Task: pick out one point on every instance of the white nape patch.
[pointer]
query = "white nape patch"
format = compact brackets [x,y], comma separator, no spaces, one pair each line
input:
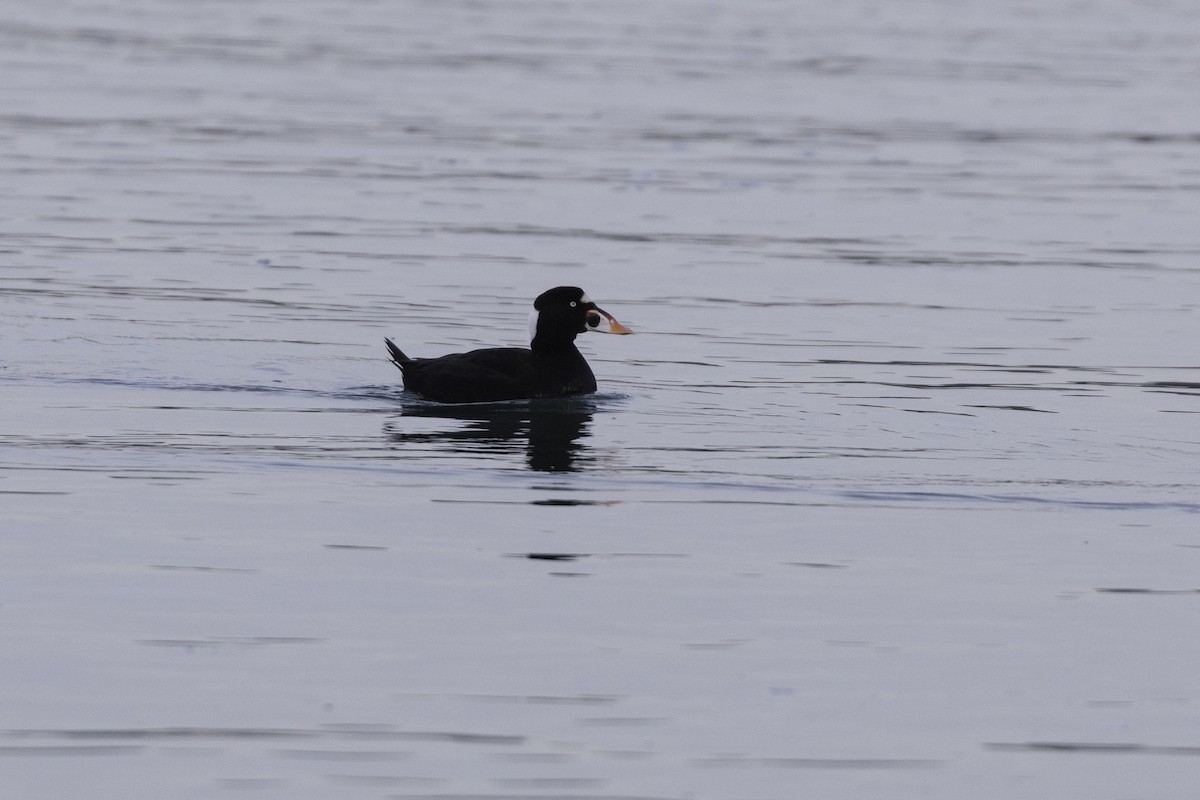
[533,321]
[583,298]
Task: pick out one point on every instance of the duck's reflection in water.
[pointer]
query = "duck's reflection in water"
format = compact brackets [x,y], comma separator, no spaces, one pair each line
[552,432]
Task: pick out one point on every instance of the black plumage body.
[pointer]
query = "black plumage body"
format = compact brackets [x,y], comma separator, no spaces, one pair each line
[497,373]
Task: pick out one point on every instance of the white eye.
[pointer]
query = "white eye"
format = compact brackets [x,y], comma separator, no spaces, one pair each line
[573,304]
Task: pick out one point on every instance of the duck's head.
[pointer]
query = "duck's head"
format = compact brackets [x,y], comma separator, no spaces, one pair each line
[566,311]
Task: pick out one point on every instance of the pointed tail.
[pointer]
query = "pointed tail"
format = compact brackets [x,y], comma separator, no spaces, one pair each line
[398,357]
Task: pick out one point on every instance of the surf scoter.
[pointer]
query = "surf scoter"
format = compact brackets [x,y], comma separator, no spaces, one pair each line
[551,367]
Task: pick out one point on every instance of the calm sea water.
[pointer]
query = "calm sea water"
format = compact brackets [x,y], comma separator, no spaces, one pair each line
[894,493]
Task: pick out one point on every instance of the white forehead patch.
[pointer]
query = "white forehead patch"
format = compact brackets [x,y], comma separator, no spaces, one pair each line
[583,298]
[533,320]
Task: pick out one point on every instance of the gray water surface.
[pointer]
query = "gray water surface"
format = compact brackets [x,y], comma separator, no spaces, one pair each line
[893,494]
